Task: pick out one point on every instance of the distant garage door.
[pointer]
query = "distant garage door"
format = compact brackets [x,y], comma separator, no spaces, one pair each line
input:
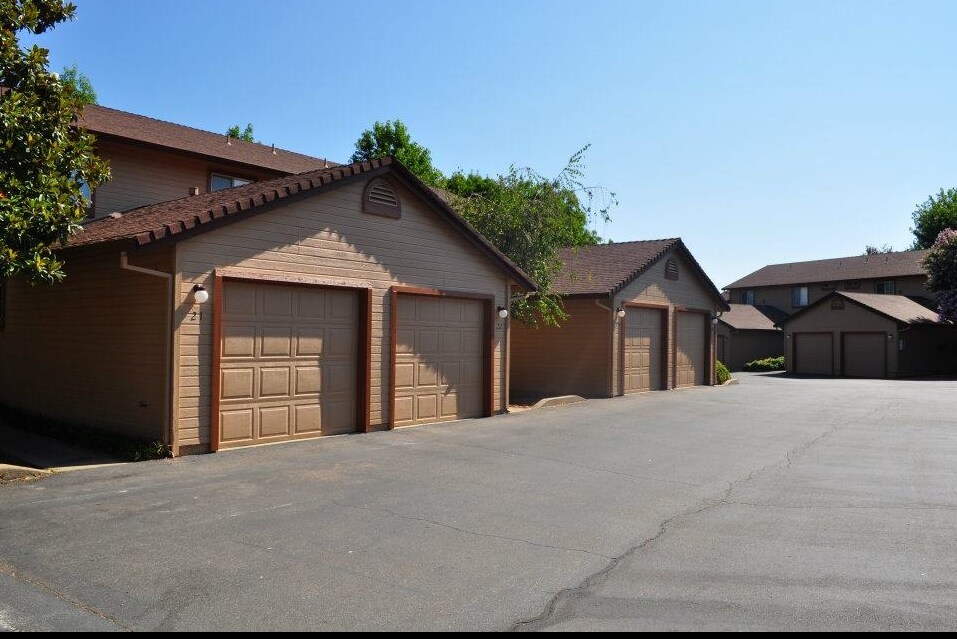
[865,354]
[440,356]
[642,350]
[813,353]
[288,363]
[690,350]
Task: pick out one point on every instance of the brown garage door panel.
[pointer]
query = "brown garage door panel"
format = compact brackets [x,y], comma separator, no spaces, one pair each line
[288,363]
[690,349]
[642,350]
[864,354]
[813,353]
[439,359]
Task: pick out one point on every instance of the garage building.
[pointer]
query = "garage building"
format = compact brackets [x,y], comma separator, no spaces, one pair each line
[869,335]
[747,333]
[640,318]
[340,300]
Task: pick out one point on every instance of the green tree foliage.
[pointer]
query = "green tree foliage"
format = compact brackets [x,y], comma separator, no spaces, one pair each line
[246,135]
[933,216]
[529,217]
[941,267]
[46,162]
[875,250]
[392,138]
[79,83]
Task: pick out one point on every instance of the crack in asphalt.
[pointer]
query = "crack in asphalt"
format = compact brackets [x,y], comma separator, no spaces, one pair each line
[386,511]
[40,584]
[544,619]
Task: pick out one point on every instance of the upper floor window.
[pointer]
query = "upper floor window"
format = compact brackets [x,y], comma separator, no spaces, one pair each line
[747,297]
[221,182]
[884,288]
[671,269]
[852,284]
[828,286]
[381,198]
[799,296]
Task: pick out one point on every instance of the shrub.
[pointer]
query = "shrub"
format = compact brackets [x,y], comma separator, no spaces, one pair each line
[767,364]
[722,372]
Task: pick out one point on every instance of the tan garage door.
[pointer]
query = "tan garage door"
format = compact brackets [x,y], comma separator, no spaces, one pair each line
[642,350]
[440,357]
[813,353]
[690,350]
[865,354]
[288,365]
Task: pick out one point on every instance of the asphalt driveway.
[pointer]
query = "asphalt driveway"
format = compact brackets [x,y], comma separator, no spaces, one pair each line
[778,504]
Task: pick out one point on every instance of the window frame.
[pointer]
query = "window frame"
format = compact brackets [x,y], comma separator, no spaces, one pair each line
[747,297]
[852,285]
[796,298]
[246,179]
[893,287]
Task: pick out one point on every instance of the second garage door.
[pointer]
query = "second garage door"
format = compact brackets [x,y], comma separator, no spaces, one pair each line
[864,354]
[642,350]
[690,350]
[440,356]
[813,353]
[288,363]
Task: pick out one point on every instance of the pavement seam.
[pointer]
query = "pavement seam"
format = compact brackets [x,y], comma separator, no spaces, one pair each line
[426,520]
[543,619]
[37,582]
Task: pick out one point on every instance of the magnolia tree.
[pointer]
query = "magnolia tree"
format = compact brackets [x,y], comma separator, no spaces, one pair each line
[941,266]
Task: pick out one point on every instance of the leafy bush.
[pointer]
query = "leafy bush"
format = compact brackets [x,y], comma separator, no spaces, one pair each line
[722,372]
[767,364]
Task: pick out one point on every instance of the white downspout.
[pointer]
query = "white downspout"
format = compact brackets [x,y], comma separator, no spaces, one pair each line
[168,400]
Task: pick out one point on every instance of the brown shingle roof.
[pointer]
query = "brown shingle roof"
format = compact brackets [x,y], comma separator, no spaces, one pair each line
[129,126]
[895,307]
[745,317]
[857,267]
[607,268]
[186,217]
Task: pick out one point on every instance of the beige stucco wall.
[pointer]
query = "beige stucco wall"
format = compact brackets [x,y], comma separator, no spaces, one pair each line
[92,349]
[142,176]
[780,296]
[570,360]
[327,237]
[688,292]
[853,319]
[747,346]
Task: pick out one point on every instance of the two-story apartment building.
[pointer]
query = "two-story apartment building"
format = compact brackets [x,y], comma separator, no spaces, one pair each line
[225,293]
[861,316]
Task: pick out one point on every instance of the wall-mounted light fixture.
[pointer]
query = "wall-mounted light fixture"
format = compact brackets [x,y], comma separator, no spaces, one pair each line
[789,336]
[714,320]
[502,312]
[620,312]
[200,294]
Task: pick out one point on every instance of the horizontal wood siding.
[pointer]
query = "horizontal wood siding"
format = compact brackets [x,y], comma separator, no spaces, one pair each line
[746,346]
[852,319]
[141,176]
[652,287]
[780,296]
[327,238]
[571,360]
[92,349]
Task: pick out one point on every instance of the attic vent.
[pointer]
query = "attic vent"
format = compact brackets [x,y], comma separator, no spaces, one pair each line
[671,269]
[380,198]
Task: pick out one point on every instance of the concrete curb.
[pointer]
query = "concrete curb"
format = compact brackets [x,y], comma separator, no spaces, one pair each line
[564,400]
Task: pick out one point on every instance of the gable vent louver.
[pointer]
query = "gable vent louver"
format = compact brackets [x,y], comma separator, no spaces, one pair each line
[382,199]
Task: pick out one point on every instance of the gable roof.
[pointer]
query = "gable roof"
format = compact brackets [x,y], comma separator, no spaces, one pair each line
[748,317]
[605,269]
[103,121]
[857,267]
[894,307]
[184,218]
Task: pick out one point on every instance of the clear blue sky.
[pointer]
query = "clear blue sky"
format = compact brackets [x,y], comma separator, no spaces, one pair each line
[760,132]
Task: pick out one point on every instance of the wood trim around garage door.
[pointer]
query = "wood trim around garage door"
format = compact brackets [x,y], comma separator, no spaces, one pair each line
[708,339]
[363,352]
[884,341]
[488,353]
[663,308]
[793,348]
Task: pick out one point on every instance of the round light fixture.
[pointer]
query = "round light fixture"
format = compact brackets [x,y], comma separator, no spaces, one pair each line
[502,312]
[620,312]
[200,294]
